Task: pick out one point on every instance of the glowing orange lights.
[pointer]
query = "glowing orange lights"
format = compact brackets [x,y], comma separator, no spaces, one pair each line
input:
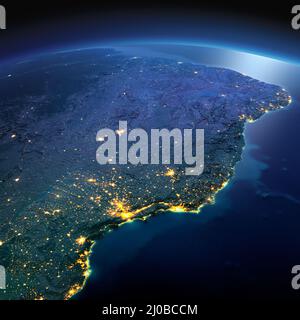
[81,240]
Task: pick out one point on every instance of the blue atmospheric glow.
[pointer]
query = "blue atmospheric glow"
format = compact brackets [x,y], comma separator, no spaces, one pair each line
[191,43]
[142,42]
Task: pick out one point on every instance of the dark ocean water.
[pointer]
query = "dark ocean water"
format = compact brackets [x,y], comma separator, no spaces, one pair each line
[244,245]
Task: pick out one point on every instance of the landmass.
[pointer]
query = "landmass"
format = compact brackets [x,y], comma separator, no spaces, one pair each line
[56,200]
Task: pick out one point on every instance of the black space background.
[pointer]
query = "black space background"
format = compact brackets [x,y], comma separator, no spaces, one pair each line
[50,20]
[22,13]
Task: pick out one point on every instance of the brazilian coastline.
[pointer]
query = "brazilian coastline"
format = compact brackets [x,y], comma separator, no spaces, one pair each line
[159,208]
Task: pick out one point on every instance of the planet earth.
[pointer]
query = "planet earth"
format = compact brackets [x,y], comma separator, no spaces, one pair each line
[57,201]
